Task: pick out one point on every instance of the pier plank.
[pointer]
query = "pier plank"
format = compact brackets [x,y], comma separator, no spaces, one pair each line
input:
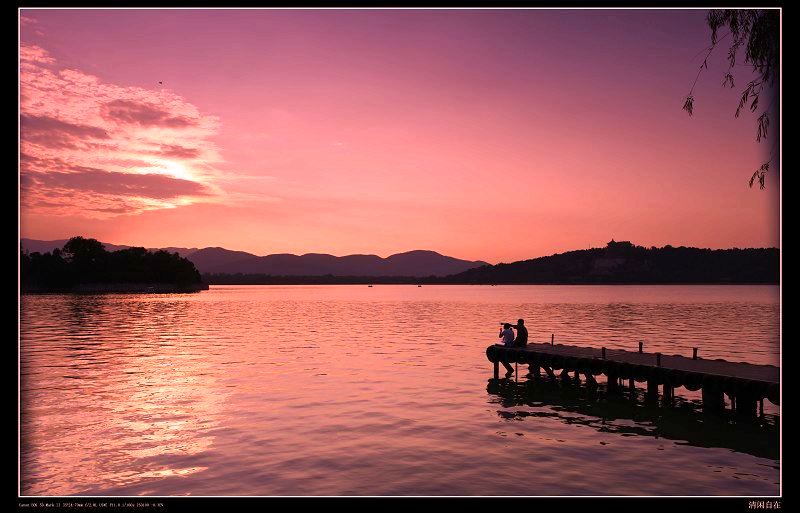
[765,373]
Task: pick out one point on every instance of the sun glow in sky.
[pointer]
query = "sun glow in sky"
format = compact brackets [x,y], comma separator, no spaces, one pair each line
[483,134]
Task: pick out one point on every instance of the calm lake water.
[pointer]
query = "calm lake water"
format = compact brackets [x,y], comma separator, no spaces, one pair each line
[351,390]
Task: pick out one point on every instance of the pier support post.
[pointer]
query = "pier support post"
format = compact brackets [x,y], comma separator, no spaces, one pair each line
[613,382]
[533,370]
[497,370]
[577,377]
[590,381]
[550,373]
[669,393]
[713,400]
[746,406]
[652,390]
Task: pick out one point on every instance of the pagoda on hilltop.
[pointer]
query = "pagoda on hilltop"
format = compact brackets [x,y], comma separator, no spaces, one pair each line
[623,244]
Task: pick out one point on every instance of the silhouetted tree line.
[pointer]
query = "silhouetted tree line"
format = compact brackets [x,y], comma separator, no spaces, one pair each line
[85,261]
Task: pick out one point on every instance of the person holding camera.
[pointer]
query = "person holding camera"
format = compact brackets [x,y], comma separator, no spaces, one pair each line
[507,334]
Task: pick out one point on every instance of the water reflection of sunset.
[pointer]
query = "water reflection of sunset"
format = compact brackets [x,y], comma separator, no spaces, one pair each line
[318,389]
[155,402]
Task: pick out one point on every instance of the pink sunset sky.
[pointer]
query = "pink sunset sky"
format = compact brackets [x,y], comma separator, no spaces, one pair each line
[497,135]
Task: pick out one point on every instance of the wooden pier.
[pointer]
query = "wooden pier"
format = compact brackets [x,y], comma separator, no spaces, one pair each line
[746,385]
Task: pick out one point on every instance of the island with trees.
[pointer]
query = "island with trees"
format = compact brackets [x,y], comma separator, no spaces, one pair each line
[84,266]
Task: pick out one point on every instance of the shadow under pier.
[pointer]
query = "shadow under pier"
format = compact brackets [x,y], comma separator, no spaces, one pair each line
[681,421]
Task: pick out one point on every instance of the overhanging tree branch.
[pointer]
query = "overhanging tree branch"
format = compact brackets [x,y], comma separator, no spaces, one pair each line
[757,31]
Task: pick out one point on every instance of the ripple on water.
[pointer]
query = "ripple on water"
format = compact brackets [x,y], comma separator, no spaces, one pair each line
[337,390]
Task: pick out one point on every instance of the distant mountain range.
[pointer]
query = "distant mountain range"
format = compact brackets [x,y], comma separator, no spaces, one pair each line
[218,260]
[618,262]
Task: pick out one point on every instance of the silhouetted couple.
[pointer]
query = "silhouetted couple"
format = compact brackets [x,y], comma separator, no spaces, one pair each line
[509,340]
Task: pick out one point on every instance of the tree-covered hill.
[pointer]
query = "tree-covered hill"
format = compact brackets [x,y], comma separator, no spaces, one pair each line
[623,262]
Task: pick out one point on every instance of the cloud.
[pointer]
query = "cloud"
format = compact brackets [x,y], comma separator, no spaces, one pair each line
[175,150]
[97,150]
[31,55]
[54,133]
[114,183]
[125,111]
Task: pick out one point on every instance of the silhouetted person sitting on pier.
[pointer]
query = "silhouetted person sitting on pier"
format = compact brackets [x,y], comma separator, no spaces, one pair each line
[522,334]
[507,334]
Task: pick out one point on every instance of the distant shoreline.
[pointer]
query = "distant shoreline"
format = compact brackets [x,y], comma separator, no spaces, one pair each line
[376,283]
[120,288]
[200,288]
